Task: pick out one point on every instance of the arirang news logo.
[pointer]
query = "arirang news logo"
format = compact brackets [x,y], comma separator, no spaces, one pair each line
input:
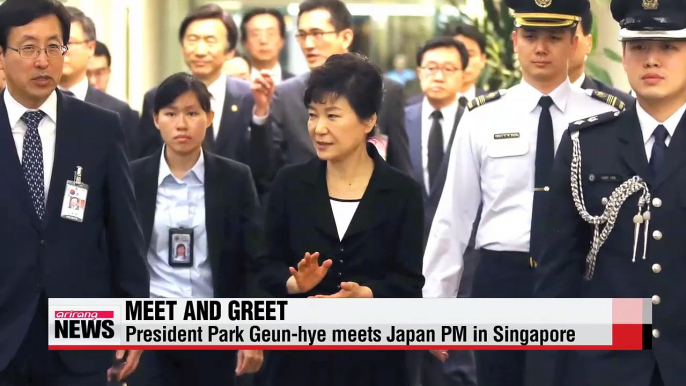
[84,324]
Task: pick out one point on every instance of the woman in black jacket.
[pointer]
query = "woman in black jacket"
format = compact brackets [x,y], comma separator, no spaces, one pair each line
[344,225]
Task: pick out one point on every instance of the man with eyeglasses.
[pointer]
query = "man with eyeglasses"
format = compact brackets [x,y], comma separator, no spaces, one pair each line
[325,29]
[74,81]
[51,144]
[501,158]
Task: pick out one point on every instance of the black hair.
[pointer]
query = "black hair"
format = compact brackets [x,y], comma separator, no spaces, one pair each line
[470,32]
[341,18]
[16,13]
[211,11]
[587,22]
[444,42]
[101,50]
[77,16]
[262,11]
[351,76]
[178,84]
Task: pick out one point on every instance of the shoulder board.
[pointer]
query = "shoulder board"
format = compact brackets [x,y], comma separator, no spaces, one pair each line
[607,98]
[594,120]
[483,99]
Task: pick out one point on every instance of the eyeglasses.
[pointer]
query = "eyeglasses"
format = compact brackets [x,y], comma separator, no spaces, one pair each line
[316,35]
[32,52]
[447,70]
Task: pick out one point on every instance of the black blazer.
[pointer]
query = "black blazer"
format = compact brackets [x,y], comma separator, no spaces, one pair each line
[62,258]
[234,230]
[129,118]
[285,74]
[382,248]
[239,138]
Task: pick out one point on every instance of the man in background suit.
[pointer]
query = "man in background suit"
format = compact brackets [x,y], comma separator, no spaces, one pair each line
[577,64]
[325,29]
[45,137]
[208,37]
[100,67]
[74,81]
[431,125]
[475,42]
[263,31]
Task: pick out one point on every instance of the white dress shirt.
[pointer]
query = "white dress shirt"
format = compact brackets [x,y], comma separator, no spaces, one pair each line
[47,130]
[180,202]
[579,81]
[498,171]
[80,89]
[447,123]
[275,73]
[648,125]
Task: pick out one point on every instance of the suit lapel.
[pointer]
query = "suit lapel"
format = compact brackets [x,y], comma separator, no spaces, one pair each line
[146,193]
[230,126]
[633,151]
[437,186]
[10,166]
[675,155]
[322,212]
[214,195]
[414,128]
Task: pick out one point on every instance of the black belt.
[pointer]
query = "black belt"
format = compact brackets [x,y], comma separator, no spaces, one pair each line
[519,258]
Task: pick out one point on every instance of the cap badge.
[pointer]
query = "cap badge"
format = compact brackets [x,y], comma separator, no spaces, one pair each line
[546,3]
[650,5]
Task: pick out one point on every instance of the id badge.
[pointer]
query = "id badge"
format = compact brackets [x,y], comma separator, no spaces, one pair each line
[180,247]
[75,196]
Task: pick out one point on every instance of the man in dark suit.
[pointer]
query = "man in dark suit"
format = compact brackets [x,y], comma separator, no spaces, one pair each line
[577,64]
[325,29]
[74,81]
[475,42]
[46,140]
[208,37]
[263,31]
[431,125]
[642,152]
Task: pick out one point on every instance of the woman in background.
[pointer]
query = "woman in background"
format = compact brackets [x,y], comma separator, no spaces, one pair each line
[356,220]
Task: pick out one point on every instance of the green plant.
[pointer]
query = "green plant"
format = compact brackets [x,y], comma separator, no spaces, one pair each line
[592,68]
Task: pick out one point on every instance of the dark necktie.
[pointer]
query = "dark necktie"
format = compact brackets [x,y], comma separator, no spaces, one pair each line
[68,93]
[545,154]
[657,155]
[435,146]
[32,160]
[463,101]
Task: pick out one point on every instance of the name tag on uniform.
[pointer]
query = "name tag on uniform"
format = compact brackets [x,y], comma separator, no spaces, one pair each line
[605,178]
[505,135]
[75,197]
[180,247]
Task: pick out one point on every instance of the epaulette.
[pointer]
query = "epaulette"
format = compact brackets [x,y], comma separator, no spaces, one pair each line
[594,120]
[607,98]
[483,99]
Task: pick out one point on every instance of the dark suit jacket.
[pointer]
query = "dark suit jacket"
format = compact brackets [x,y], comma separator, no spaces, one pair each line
[234,230]
[129,117]
[62,258]
[239,138]
[593,84]
[293,144]
[285,74]
[613,147]
[414,99]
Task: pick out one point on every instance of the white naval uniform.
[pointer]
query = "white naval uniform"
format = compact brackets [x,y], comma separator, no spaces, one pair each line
[497,172]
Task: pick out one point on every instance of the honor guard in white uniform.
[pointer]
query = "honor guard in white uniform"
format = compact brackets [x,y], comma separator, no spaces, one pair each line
[501,158]
[617,224]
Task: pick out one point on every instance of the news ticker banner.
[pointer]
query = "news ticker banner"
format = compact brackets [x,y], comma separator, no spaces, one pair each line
[350,324]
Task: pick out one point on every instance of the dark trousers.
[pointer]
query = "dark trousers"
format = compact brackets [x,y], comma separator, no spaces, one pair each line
[502,275]
[35,365]
[185,368]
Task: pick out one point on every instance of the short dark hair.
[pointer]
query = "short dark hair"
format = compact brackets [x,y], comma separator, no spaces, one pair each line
[444,42]
[262,11]
[349,75]
[16,13]
[211,11]
[101,50]
[470,32]
[77,16]
[178,84]
[587,22]
[340,15]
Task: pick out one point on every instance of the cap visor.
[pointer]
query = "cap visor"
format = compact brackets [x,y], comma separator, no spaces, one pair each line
[627,35]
